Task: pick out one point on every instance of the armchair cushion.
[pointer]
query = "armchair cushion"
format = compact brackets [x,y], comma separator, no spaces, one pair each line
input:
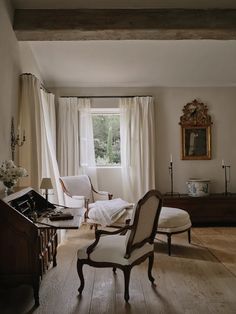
[121,219]
[173,220]
[111,249]
[109,211]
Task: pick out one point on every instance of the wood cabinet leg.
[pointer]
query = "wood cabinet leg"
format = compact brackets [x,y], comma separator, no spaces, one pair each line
[36,292]
[189,235]
[169,243]
[150,264]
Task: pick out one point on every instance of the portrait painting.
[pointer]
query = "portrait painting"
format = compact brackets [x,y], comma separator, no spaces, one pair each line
[196,143]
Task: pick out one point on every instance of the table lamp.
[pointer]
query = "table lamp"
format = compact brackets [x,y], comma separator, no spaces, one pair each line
[46,184]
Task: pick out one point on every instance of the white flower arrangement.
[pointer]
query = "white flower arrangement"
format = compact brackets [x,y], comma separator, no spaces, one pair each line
[10,173]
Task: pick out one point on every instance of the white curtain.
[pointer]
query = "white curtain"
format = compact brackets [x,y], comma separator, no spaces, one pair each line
[68,136]
[137,129]
[37,118]
[30,153]
[87,152]
[75,141]
[48,139]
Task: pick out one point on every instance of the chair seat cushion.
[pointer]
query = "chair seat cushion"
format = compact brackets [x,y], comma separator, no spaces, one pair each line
[120,222]
[173,220]
[126,215]
[111,249]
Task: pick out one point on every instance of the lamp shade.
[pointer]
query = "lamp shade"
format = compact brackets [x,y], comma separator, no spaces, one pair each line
[46,184]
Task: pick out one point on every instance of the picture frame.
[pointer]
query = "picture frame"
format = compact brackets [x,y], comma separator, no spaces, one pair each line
[196,143]
[195,132]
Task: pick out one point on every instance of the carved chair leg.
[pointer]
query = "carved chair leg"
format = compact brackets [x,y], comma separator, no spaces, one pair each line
[81,276]
[150,264]
[127,223]
[189,235]
[126,271]
[169,243]
[54,259]
[54,263]
[36,292]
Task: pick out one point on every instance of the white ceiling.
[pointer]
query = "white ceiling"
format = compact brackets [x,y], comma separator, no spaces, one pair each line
[135,63]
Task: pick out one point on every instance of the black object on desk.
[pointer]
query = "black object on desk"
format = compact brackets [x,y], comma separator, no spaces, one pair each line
[53,217]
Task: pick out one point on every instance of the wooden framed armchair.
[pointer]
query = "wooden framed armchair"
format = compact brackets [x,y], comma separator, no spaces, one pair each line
[79,192]
[79,188]
[125,251]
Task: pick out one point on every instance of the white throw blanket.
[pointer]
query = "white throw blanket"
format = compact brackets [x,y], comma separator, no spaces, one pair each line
[109,211]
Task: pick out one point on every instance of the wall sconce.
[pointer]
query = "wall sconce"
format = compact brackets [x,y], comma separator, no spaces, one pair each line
[46,184]
[16,139]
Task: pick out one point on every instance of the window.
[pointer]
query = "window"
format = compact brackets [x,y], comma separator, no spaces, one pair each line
[106,133]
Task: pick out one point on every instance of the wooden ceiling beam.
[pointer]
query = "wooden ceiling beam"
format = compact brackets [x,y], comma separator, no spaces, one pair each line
[124,24]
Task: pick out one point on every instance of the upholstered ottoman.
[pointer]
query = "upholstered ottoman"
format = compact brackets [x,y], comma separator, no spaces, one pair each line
[173,221]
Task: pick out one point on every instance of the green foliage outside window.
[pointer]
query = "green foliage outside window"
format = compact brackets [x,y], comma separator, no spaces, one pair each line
[106,132]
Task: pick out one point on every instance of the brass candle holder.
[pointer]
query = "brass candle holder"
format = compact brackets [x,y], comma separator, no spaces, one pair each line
[172,193]
[16,139]
[227,180]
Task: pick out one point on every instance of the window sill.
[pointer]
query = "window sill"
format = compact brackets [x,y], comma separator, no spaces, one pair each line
[108,167]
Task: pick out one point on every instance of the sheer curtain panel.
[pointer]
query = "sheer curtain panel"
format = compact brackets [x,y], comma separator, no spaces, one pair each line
[29,120]
[68,136]
[49,162]
[137,129]
[37,118]
[87,152]
[75,141]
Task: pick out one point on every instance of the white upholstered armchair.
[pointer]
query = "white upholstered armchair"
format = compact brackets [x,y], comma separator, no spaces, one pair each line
[78,188]
[125,251]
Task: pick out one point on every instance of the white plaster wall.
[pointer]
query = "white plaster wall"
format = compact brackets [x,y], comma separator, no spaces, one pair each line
[27,60]
[11,65]
[9,74]
[9,78]
[169,104]
[221,105]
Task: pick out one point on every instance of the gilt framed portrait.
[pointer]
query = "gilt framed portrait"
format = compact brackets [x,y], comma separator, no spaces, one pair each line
[196,142]
[195,132]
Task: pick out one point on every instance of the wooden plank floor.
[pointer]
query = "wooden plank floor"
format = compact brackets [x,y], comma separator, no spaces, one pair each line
[197,278]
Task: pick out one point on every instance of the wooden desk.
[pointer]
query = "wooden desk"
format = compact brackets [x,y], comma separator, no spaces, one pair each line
[28,247]
[212,210]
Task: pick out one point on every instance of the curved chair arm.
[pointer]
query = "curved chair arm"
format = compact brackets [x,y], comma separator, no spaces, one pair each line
[98,234]
[100,195]
[74,201]
[64,188]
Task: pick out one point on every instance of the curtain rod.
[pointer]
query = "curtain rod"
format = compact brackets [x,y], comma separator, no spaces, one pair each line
[41,84]
[44,88]
[107,96]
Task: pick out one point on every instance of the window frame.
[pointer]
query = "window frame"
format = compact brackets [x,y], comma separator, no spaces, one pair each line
[106,111]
